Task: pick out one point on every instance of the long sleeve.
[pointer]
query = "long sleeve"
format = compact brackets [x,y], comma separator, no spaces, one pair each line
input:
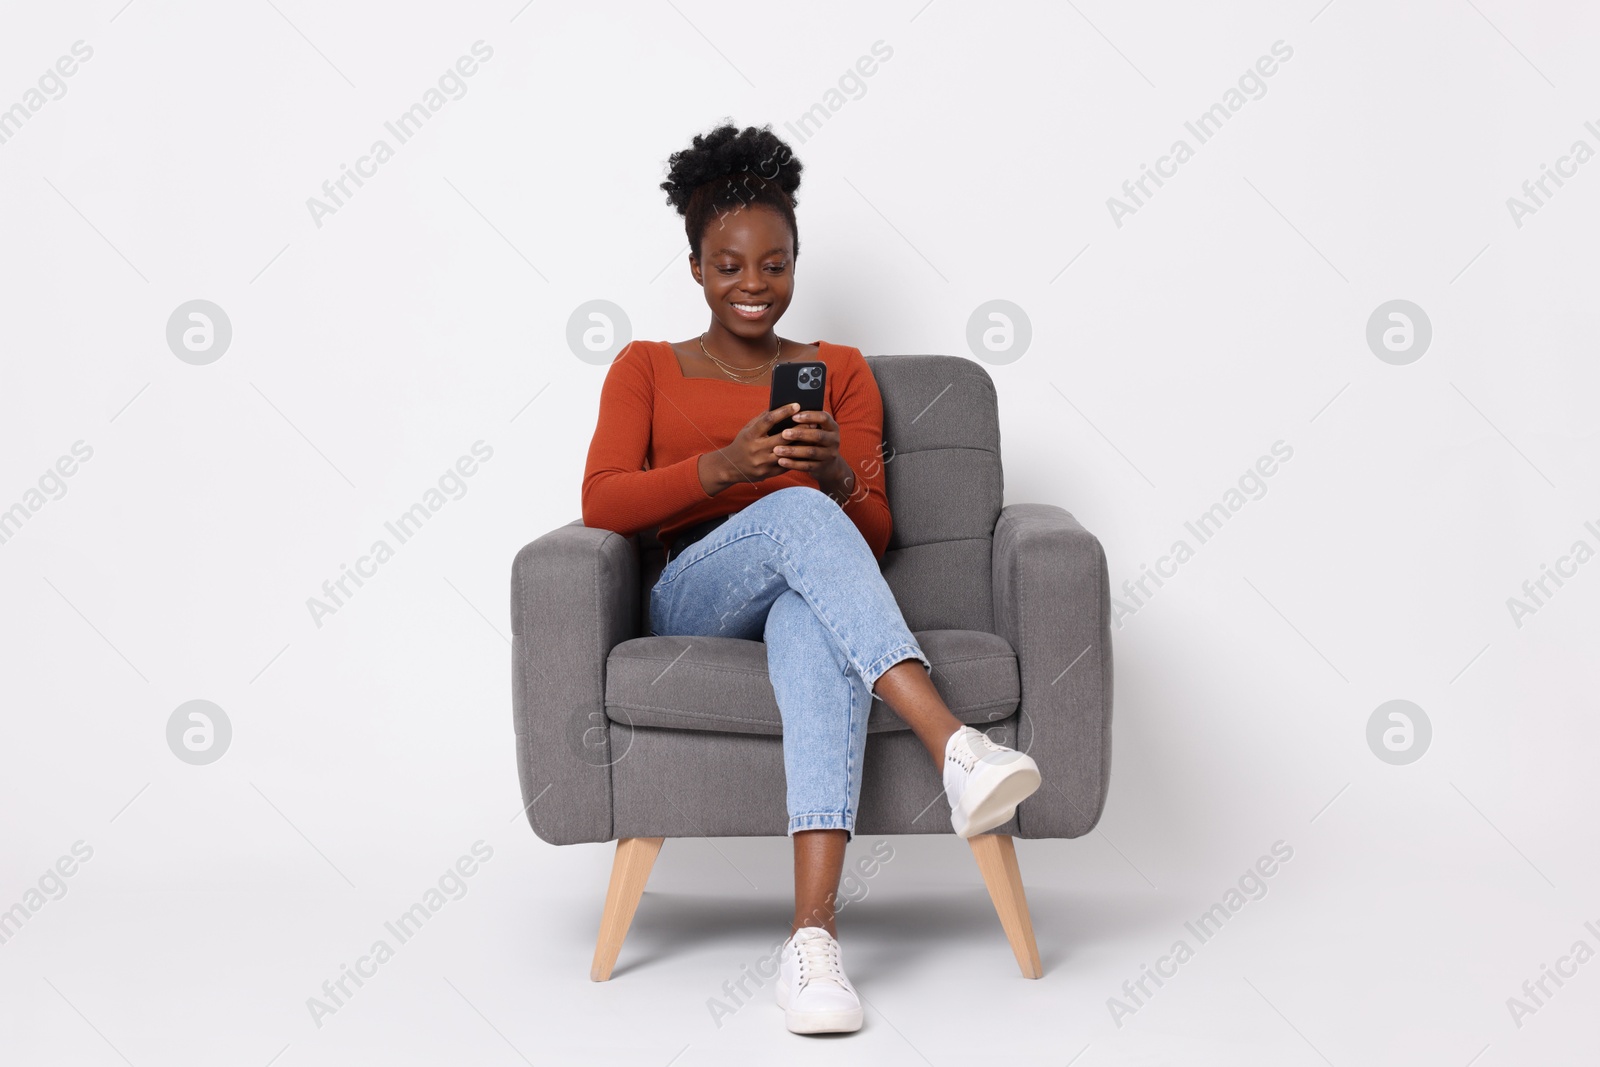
[619,494]
[859,413]
[650,414]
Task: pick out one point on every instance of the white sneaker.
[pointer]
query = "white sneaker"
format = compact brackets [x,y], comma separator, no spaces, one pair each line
[812,990]
[984,782]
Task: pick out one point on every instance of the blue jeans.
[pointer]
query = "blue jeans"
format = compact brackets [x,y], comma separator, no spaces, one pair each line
[791,569]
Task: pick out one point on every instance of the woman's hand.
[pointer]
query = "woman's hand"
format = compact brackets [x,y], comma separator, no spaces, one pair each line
[812,446]
[748,457]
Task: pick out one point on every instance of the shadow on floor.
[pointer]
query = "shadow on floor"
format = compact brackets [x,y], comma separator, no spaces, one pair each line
[889,934]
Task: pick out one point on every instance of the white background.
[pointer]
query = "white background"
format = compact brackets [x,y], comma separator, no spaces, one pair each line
[372,351]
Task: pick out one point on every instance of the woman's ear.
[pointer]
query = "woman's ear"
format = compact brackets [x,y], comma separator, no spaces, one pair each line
[694,268]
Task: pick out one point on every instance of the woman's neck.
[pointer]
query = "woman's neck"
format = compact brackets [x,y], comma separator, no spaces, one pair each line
[740,351]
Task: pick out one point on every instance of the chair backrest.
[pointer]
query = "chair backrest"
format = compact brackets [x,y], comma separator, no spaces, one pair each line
[942,473]
[941,433]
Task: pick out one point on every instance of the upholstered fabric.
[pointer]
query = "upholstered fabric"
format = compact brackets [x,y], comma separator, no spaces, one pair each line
[721,684]
[731,785]
[1053,605]
[941,431]
[1011,604]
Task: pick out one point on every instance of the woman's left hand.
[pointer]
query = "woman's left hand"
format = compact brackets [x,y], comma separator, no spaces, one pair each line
[811,445]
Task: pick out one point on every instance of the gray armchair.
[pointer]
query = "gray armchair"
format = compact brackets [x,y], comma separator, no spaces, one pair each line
[1011,605]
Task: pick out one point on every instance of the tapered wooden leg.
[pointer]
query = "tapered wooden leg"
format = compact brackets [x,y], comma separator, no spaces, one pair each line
[629,872]
[997,861]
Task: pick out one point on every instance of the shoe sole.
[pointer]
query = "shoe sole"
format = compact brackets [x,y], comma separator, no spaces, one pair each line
[997,804]
[817,1022]
[822,1022]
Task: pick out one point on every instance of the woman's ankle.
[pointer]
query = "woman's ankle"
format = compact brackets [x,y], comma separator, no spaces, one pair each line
[802,921]
[938,742]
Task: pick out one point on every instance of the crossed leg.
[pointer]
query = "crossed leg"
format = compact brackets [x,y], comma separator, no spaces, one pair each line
[793,565]
[824,747]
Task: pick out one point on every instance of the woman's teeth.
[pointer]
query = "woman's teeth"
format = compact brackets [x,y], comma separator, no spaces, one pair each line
[752,309]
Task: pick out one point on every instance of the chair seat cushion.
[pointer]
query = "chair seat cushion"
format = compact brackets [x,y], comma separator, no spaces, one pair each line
[720,683]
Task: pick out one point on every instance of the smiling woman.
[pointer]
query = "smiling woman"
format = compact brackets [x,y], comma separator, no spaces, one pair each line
[770,538]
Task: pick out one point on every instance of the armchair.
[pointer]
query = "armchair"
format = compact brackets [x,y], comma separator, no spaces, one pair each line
[1010,603]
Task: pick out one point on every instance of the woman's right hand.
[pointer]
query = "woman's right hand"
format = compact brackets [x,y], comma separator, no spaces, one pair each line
[749,456]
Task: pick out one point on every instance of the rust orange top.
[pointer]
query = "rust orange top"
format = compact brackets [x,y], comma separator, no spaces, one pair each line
[655,423]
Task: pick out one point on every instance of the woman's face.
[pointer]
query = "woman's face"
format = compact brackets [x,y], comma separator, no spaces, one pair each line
[748,260]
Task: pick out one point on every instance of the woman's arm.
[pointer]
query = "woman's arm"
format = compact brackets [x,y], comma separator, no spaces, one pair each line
[618,493]
[859,477]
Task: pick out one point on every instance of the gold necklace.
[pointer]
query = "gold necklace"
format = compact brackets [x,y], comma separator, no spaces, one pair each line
[732,373]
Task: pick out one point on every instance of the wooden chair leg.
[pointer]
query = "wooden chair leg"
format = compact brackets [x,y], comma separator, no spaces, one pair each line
[630,869]
[997,861]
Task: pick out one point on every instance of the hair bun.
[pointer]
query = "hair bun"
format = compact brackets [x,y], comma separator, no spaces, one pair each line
[729,150]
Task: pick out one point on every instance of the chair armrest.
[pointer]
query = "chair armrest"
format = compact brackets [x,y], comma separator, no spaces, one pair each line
[1052,598]
[574,597]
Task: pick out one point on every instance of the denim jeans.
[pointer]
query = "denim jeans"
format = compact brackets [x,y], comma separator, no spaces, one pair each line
[792,570]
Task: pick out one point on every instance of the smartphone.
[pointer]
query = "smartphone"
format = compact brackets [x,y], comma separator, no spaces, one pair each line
[796,382]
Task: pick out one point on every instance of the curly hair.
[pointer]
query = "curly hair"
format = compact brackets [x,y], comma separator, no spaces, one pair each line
[730,168]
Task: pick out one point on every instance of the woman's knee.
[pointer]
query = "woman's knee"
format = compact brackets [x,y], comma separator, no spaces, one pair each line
[796,637]
[791,620]
[800,498]
[805,508]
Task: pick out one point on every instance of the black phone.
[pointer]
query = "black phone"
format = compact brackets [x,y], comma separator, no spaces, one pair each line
[796,382]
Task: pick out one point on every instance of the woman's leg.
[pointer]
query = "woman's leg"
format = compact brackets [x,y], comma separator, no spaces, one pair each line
[909,692]
[796,538]
[802,536]
[824,705]
[818,863]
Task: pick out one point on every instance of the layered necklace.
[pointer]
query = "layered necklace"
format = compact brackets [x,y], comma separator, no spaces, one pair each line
[748,376]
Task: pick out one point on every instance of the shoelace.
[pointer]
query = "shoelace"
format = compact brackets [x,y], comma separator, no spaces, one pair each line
[971,748]
[819,961]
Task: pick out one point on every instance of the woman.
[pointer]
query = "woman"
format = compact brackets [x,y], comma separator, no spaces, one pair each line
[778,537]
